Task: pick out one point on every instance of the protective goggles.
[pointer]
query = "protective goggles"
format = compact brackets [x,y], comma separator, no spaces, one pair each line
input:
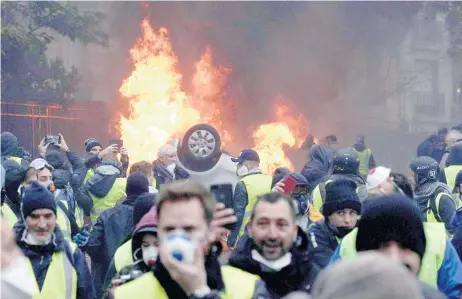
[300,190]
[39,164]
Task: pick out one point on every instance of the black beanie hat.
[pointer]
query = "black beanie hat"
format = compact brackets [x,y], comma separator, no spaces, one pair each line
[142,205]
[55,159]
[391,218]
[137,184]
[37,197]
[340,194]
[91,143]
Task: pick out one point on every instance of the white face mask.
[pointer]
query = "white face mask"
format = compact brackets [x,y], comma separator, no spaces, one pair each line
[150,254]
[242,171]
[171,168]
[276,265]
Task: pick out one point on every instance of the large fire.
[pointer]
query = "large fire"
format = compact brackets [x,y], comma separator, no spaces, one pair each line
[161,110]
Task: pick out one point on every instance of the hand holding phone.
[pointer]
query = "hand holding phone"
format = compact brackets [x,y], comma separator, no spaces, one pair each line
[289,184]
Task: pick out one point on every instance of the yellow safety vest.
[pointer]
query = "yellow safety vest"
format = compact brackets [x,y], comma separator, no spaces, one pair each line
[364,158]
[110,200]
[88,175]
[450,173]
[318,199]
[435,234]
[60,280]
[123,256]
[63,223]
[256,185]
[9,215]
[238,285]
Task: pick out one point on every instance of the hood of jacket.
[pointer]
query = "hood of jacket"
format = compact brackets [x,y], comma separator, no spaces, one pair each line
[359,146]
[101,183]
[455,155]
[147,224]
[316,170]
[9,144]
[298,275]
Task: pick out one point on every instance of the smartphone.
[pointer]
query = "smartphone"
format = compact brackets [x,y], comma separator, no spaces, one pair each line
[53,139]
[119,142]
[289,184]
[224,194]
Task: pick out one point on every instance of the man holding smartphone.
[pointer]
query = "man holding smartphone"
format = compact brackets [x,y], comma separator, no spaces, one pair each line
[253,183]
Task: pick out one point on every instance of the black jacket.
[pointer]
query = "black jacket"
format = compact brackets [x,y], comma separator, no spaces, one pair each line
[40,258]
[321,243]
[111,229]
[297,276]
[162,175]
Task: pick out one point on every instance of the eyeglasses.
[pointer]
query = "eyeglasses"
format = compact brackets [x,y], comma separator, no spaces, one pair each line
[39,164]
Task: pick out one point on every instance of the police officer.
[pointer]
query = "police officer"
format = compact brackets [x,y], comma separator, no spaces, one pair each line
[253,183]
[59,267]
[345,165]
[433,198]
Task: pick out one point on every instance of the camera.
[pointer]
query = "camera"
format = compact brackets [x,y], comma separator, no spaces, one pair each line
[52,139]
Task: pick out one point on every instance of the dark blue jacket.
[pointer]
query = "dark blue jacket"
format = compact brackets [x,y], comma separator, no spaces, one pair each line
[40,258]
[111,229]
[162,175]
[322,243]
[317,169]
[297,276]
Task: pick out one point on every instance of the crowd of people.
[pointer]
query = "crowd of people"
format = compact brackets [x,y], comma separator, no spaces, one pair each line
[102,227]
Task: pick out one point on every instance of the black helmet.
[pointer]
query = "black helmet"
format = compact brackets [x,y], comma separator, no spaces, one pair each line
[345,161]
[425,169]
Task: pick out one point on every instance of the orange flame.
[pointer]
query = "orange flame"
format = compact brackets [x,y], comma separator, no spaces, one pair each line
[160,109]
[272,139]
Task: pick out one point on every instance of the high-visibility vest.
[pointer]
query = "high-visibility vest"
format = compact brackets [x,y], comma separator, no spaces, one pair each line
[88,175]
[63,223]
[60,280]
[318,195]
[435,233]
[78,212]
[256,185]
[364,158]
[238,285]
[9,215]
[451,173]
[110,200]
[123,256]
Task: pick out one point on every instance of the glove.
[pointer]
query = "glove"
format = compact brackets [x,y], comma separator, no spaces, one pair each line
[81,239]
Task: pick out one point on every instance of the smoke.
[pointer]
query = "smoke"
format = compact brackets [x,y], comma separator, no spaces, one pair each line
[325,57]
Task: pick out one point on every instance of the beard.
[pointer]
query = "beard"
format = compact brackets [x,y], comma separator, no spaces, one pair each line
[33,239]
[270,249]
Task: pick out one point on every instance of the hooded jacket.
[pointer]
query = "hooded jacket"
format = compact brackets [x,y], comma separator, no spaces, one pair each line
[297,276]
[163,176]
[322,243]
[40,259]
[112,227]
[317,169]
[9,144]
[147,224]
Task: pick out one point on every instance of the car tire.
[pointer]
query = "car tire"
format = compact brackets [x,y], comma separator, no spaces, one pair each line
[200,147]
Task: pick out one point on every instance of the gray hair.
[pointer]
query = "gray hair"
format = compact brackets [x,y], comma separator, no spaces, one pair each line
[165,150]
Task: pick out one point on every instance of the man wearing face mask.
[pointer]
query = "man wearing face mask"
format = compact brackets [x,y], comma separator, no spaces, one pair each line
[341,210]
[186,267]
[276,248]
[58,266]
[165,168]
[392,225]
[145,251]
[253,183]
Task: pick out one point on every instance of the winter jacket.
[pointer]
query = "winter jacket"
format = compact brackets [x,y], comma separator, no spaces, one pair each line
[317,169]
[147,223]
[93,161]
[426,147]
[163,176]
[322,243]
[360,147]
[297,276]
[111,229]
[456,223]
[40,258]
